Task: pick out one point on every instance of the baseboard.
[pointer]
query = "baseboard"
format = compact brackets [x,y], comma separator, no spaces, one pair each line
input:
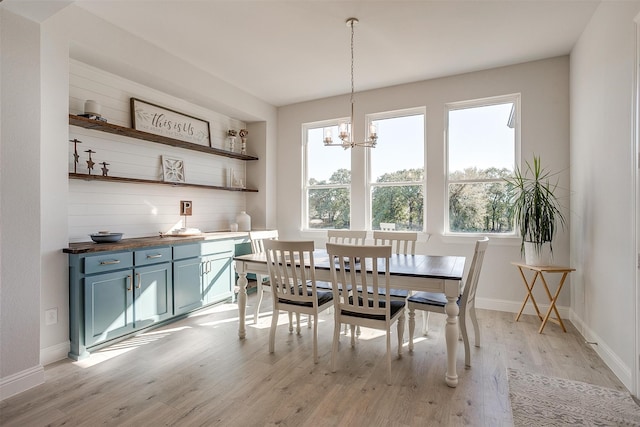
[619,368]
[22,381]
[54,353]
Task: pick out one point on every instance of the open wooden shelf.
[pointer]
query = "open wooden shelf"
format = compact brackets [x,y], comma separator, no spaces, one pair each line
[87,177]
[98,125]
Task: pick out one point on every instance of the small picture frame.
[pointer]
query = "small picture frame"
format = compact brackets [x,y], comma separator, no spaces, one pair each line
[172,169]
[235,178]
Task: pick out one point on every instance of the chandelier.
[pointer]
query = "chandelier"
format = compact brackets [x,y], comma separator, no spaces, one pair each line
[345,130]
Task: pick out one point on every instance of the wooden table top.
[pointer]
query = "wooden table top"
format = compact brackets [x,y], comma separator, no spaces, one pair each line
[140,242]
[544,268]
[431,266]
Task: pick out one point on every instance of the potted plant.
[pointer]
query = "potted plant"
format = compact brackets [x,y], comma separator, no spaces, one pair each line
[535,210]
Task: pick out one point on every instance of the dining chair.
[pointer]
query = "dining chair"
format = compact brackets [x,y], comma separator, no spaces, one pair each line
[293,284]
[257,239]
[347,237]
[353,304]
[403,242]
[435,303]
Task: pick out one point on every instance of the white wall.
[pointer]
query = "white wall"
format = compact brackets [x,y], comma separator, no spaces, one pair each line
[20,239]
[139,209]
[35,165]
[544,86]
[602,199]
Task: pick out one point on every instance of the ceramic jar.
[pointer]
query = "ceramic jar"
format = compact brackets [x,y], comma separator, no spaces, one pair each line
[244,221]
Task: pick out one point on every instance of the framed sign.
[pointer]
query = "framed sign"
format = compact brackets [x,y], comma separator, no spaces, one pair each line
[163,121]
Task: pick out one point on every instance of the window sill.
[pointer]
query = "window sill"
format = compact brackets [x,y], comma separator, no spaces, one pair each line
[496,239]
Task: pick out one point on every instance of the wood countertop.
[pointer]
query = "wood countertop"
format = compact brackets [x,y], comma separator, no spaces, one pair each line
[140,242]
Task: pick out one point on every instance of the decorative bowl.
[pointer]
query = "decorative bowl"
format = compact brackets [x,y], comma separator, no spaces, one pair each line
[103,237]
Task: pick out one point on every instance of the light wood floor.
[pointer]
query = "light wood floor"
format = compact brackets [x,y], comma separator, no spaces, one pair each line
[196,372]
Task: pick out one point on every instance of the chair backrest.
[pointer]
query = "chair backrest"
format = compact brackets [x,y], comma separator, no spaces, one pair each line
[291,271]
[368,272]
[257,239]
[387,226]
[347,237]
[471,285]
[402,242]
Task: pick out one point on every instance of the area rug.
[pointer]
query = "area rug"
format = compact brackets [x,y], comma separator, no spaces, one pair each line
[537,400]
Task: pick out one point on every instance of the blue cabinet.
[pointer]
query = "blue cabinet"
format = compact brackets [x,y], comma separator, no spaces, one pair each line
[114,294]
[130,298]
[202,273]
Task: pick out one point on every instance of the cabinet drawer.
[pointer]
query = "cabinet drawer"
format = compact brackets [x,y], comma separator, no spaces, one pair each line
[108,262]
[199,249]
[152,256]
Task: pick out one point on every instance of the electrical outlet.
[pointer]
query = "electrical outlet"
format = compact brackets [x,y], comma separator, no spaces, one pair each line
[51,316]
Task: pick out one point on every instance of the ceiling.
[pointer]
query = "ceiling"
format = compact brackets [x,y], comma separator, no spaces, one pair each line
[285,52]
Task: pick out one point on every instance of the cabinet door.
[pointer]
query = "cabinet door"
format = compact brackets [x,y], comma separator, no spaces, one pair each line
[153,294]
[187,285]
[218,277]
[108,306]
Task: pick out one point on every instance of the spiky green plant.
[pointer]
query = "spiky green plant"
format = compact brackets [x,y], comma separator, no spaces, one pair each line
[535,208]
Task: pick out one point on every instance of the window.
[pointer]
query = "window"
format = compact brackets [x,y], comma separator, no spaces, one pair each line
[482,142]
[327,183]
[396,165]
[390,195]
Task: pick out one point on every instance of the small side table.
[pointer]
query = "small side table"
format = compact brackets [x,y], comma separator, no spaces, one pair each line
[539,272]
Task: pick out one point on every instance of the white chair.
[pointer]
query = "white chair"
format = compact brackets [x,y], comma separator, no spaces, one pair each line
[347,237]
[257,239]
[354,305]
[435,302]
[293,283]
[403,242]
[387,226]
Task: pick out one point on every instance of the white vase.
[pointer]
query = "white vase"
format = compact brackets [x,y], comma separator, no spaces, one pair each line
[533,256]
[244,221]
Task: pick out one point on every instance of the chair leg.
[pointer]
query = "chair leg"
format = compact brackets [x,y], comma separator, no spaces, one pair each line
[353,335]
[425,323]
[298,323]
[476,327]
[412,326]
[290,322]
[272,331]
[260,290]
[388,357]
[336,341]
[315,337]
[462,320]
[401,320]
[309,320]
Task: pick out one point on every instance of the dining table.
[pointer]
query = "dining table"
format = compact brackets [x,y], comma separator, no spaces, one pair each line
[430,273]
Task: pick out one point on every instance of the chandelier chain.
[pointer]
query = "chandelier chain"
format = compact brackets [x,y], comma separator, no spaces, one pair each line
[352,85]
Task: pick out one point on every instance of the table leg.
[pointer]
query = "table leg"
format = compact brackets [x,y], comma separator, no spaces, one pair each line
[242,303]
[552,305]
[529,294]
[452,291]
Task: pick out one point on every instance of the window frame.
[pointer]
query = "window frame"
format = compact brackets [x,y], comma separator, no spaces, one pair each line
[370,185]
[304,226]
[514,98]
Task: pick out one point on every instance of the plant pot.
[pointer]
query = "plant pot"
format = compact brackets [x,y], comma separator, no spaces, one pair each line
[541,257]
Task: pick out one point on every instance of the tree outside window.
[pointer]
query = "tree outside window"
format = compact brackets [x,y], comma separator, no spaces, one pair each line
[482,138]
[397,180]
